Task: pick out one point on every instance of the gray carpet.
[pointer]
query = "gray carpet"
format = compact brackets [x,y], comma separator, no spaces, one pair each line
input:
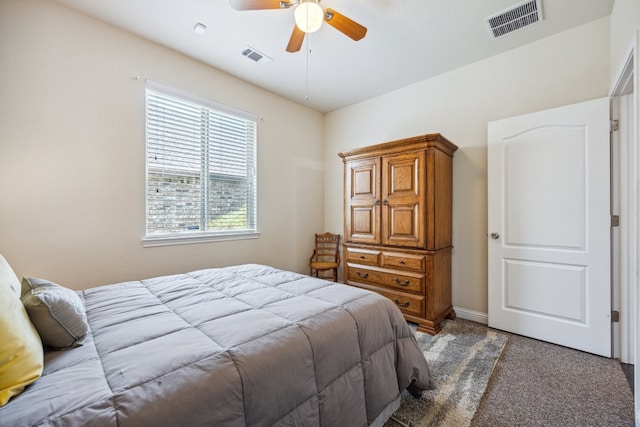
[540,384]
[533,383]
[462,357]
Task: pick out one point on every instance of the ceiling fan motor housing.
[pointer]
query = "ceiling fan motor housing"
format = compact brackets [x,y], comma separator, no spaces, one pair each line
[308,16]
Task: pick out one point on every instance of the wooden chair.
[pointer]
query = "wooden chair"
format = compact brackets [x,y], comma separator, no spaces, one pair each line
[326,255]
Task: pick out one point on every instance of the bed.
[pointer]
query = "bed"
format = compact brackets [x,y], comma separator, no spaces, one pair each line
[246,345]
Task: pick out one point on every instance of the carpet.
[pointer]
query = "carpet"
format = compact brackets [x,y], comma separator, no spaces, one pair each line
[536,383]
[461,357]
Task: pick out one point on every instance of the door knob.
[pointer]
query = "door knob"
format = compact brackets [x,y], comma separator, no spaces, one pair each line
[495,235]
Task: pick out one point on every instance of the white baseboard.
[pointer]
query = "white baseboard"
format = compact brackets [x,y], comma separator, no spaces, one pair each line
[472,315]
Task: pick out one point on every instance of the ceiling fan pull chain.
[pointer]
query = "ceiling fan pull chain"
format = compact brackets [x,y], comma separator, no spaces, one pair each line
[306,96]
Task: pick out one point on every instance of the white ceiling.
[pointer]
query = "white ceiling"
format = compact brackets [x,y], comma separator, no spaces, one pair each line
[407,40]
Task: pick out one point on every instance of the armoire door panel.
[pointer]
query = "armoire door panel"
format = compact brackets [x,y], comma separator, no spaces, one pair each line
[363,224]
[363,182]
[403,200]
[363,179]
[362,209]
[401,175]
[403,225]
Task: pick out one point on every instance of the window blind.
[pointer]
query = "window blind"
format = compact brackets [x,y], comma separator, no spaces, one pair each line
[201,166]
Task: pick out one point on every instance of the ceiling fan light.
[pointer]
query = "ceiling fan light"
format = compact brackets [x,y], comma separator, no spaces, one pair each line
[308,16]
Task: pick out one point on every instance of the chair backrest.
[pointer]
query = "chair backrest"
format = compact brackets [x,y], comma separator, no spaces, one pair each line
[327,247]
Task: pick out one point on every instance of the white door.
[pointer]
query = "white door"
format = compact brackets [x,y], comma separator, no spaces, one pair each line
[549,226]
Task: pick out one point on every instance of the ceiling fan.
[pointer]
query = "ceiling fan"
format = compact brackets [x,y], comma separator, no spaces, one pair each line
[308,16]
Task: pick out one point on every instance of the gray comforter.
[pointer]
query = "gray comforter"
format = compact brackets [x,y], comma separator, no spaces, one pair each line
[245,345]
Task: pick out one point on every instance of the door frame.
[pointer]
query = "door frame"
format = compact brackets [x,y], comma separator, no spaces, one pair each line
[626,290]
[623,241]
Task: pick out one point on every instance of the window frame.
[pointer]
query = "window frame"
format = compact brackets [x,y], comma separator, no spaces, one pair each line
[199,236]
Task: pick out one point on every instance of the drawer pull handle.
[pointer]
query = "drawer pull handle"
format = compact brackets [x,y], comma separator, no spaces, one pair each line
[401,304]
[363,275]
[401,262]
[403,283]
[361,256]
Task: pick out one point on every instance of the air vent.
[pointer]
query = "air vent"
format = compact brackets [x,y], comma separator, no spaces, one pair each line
[255,56]
[514,18]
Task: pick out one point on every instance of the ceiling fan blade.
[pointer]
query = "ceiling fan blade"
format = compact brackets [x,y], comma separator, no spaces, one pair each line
[345,25]
[259,4]
[295,42]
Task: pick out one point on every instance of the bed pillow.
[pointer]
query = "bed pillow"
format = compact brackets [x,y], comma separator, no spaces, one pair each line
[8,277]
[57,313]
[21,354]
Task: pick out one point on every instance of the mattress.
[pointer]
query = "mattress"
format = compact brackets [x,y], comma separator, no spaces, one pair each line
[247,345]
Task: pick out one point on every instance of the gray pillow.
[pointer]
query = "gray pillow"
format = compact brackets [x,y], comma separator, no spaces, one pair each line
[57,312]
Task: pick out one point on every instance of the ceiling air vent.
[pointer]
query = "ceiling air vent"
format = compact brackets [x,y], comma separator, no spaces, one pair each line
[255,56]
[514,18]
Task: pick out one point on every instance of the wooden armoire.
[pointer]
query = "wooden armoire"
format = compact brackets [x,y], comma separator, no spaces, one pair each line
[397,229]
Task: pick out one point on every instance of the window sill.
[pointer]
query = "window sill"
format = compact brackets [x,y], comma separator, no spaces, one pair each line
[181,239]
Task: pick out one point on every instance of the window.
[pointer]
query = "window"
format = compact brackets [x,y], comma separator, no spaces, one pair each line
[201,169]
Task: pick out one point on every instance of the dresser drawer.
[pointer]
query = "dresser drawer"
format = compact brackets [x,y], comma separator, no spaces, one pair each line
[390,279]
[404,261]
[363,256]
[408,304]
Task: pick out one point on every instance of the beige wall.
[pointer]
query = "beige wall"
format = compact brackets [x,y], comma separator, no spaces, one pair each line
[72,166]
[570,67]
[625,23]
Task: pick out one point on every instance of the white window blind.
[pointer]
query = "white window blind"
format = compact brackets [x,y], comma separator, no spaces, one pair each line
[201,166]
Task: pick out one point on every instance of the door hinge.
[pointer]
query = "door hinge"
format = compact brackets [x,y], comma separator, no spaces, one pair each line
[615,316]
[614,126]
[615,220]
